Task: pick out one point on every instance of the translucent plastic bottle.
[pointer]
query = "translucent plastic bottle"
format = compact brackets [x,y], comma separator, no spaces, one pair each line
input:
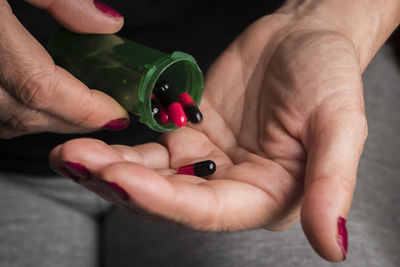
[125,70]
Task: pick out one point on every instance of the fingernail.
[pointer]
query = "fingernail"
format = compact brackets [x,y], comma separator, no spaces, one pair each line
[117,124]
[106,9]
[118,190]
[78,170]
[342,236]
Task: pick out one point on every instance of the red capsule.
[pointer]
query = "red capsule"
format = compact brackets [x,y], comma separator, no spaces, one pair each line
[166,97]
[186,100]
[176,114]
[163,117]
[201,169]
[189,106]
[159,113]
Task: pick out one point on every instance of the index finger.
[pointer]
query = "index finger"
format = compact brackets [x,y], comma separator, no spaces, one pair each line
[29,74]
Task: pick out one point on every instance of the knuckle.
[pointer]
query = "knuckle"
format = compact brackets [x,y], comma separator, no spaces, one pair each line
[86,120]
[8,134]
[36,91]
[89,117]
[25,122]
[364,128]
[360,125]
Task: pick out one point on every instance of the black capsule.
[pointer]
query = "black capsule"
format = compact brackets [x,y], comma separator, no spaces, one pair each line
[193,114]
[164,94]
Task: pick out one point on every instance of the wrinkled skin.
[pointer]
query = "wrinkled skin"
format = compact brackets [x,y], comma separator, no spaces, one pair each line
[38,96]
[284,121]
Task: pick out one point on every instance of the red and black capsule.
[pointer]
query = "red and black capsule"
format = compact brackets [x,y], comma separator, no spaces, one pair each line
[189,106]
[174,109]
[201,169]
[163,117]
[158,111]
[155,109]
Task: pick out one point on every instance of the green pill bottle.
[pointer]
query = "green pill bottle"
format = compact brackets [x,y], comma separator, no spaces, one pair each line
[126,70]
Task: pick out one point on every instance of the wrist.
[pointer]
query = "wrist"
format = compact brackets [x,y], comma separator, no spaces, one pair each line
[366,23]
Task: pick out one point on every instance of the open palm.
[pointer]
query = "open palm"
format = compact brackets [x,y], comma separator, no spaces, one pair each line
[283,120]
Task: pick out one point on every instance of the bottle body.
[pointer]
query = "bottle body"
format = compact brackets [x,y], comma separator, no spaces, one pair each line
[126,70]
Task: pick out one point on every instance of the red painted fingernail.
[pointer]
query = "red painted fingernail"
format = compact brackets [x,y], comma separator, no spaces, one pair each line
[118,124]
[342,236]
[106,9]
[78,170]
[119,190]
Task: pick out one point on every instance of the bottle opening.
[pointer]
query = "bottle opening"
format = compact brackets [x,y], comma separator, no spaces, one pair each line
[181,72]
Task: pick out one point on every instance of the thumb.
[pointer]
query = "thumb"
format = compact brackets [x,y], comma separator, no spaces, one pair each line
[336,139]
[84,16]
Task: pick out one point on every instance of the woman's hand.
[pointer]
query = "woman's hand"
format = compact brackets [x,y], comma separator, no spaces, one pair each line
[36,95]
[284,121]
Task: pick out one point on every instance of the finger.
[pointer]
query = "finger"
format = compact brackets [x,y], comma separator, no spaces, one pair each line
[80,175]
[215,205]
[17,119]
[29,75]
[7,133]
[81,160]
[94,154]
[209,206]
[60,94]
[85,16]
[333,156]
[153,155]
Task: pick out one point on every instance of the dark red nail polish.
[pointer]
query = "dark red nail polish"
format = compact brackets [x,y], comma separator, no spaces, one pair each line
[78,170]
[342,236]
[119,190]
[106,9]
[118,124]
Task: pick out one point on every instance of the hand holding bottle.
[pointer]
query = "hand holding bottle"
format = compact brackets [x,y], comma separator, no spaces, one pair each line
[38,96]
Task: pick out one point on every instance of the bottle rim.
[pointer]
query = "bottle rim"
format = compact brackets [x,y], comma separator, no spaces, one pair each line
[194,85]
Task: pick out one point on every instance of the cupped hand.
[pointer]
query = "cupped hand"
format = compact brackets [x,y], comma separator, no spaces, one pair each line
[38,96]
[283,120]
